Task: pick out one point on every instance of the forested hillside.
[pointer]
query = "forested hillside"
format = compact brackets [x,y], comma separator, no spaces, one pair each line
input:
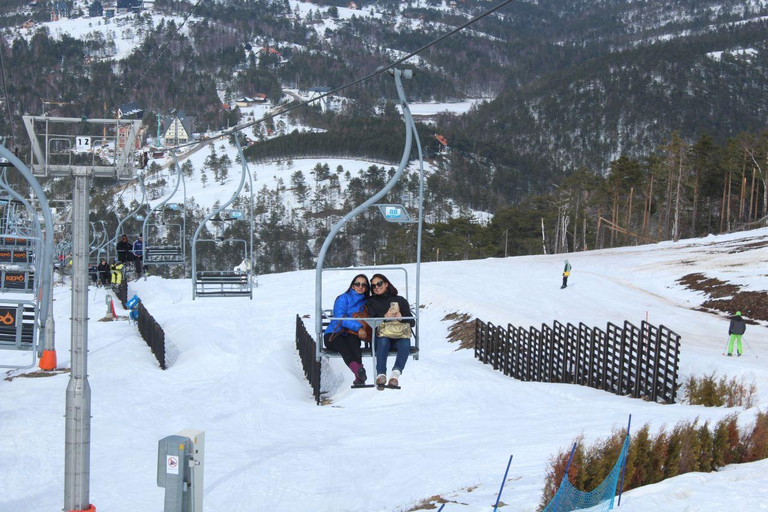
[648,116]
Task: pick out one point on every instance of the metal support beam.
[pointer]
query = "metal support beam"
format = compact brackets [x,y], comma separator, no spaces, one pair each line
[77,458]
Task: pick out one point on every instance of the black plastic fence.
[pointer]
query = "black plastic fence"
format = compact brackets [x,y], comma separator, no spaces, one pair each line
[121,291]
[152,333]
[640,362]
[305,344]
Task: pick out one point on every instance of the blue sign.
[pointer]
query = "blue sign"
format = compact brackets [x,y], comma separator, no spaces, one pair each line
[394,213]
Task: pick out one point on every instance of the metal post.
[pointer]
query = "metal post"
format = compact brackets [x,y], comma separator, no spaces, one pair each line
[624,464]
[565,477]
[420,223]
[77,459]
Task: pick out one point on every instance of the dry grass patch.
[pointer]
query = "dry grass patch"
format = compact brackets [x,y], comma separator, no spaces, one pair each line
[37,374]
[710,391]
[462,330]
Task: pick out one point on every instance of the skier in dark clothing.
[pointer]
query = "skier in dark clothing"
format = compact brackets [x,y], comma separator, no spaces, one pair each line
[386,303]
[566,273]
[138,253]
[736,330]
[93,273]
[344,335]
[124,250]
[103,270]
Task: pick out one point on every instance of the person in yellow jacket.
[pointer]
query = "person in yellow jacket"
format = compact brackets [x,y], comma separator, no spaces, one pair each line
[566,273]
[116,272]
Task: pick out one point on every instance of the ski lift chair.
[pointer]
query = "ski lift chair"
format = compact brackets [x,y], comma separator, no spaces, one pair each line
[391,213]
[164,240]
[227,282]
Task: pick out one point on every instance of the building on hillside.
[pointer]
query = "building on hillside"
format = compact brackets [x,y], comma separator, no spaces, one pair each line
[125,6]
[352,5]
[130,111]
[178,128]
[95,9]
[271,51]
[248,101]
[316,92]
[123,134]
[59,10]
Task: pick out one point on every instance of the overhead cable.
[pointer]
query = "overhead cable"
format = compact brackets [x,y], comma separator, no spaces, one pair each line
[378,71]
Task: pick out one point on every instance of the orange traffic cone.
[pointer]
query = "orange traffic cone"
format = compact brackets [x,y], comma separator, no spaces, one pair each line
[48,361]
[90,508]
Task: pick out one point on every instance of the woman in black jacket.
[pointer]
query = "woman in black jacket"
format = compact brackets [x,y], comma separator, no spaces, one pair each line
[103,270]
[386,303]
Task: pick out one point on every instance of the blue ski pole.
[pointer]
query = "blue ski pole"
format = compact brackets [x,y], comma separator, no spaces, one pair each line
[502,483]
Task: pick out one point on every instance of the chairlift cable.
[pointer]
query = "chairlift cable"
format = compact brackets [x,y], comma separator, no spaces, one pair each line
[383,69]
[162,51]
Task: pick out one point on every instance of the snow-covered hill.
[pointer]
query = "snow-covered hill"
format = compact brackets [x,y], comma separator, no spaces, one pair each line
[449,431]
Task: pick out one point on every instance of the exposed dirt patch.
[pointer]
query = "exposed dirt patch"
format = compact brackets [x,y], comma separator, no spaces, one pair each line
[462,330]
[435,501]
[711,286]
[34,375]
[749,247]
[728,298]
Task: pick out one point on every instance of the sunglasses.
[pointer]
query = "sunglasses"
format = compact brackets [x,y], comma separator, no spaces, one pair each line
[380,283]
[363,285]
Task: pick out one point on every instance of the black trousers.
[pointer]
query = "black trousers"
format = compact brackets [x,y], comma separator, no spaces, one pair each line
[346,345]
[565,281]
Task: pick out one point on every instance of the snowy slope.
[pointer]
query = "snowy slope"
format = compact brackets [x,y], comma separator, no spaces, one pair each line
[448,432]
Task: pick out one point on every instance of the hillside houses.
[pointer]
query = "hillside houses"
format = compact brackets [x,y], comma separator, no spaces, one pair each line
[249,101]
[326,103]
[178,128]
[130,111]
